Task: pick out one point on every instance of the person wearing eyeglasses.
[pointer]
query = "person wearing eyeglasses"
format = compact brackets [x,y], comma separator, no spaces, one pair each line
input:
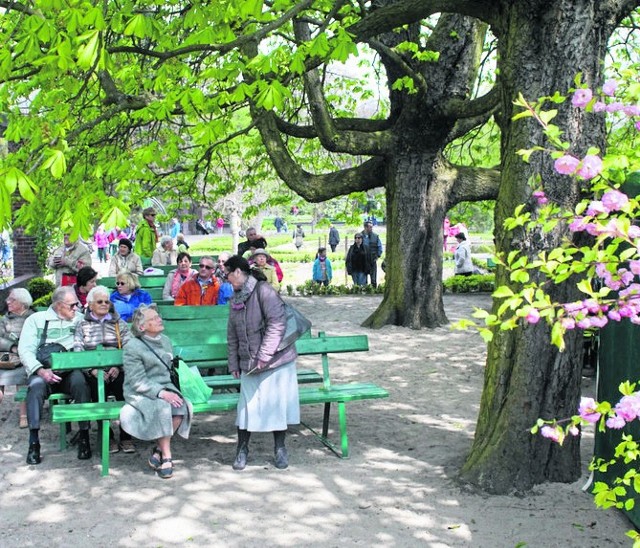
[358,261]
[146,234]
[103,326]
[128,296]
[201,289]
[60,321]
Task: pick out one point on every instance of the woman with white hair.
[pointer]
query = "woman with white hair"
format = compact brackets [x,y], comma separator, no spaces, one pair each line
[154,409]
[166,254]
[19,304]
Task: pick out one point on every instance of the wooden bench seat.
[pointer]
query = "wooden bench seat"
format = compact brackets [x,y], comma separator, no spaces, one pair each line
[201,313]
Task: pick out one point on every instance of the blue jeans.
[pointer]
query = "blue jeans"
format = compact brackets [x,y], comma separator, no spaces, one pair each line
[359,278]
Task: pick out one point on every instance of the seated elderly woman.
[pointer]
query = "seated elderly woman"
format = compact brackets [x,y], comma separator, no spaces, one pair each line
[19,304]
[103,326]
[154,408]
[128,296]
[166,254]
[177,277]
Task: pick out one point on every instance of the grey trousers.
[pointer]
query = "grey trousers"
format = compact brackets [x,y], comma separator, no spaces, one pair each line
[74,383]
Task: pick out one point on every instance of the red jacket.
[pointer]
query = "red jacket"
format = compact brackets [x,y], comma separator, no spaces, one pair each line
[190,293]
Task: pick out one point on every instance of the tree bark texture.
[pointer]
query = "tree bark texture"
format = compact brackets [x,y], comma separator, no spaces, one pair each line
[542,46]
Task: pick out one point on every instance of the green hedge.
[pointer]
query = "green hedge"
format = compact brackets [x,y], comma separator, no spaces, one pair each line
[470,284]
[40,287]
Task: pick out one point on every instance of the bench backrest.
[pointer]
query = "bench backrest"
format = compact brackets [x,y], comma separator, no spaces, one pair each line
[193,332]
[145,281]
[204,313]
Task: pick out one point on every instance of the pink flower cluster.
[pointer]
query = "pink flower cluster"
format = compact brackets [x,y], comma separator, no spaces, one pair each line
[584,96]
[587,168]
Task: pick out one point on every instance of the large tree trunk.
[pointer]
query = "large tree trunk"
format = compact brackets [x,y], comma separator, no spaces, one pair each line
[542,47]
[416,205]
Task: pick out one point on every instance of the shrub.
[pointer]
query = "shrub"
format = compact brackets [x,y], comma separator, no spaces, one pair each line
[40,287]
[312,288]
[470,284]
[43,301]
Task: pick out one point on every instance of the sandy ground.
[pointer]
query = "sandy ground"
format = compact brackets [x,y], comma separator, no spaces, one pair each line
[398,488]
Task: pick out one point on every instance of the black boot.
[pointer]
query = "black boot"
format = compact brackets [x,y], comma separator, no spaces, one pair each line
[33,456]
[243,450]
[281,457]
[84,447]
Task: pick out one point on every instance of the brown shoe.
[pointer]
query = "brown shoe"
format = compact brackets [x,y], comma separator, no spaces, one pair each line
[24,423]
[127,446]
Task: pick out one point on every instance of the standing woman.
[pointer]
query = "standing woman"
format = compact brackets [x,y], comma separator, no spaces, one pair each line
[19,304]
[268,379]
[298,237]
[358,261]
[154,408]
[462,256]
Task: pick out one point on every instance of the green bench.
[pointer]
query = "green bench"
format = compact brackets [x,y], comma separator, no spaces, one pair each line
[208,354]
[202,313]
[146,282]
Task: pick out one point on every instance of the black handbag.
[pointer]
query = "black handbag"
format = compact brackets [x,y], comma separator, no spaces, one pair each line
[173,367]
[45,349]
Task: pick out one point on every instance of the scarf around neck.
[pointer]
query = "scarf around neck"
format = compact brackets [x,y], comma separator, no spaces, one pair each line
[239,297]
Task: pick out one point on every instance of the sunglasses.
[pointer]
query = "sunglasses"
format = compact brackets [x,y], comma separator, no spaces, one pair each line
[73,305]
[121,283]
[358,238]
[206,266]
[98,301]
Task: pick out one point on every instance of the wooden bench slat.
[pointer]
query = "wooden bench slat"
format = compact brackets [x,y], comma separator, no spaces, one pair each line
[203,313]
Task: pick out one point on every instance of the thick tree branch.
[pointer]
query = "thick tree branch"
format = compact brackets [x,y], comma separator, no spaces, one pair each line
[391,55]
[468,184]
[343,124]
[314,188]
[397,14]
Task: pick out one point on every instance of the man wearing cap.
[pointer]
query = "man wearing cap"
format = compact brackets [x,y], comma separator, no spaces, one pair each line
[201,289]
[259,262]
[146,234]
[374,245]
[125,260]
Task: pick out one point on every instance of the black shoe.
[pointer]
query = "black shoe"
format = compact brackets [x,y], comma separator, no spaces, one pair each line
[84,449]
[241,459]
[33,456]
[281,459]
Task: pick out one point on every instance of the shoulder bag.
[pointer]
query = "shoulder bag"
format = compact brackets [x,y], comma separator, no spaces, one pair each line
[45,349]
[172,367]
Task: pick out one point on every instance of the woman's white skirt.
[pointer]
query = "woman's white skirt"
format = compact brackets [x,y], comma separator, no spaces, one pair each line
[269,401]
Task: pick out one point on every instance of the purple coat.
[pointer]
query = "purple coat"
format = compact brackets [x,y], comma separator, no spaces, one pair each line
[250,341]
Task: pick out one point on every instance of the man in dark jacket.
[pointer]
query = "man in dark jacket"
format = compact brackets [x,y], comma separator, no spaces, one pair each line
[334,238]
[373,243]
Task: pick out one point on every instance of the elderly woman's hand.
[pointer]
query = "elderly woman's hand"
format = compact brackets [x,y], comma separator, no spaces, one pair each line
[171,397]
[111,374]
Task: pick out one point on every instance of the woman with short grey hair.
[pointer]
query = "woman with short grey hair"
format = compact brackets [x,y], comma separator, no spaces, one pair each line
[154,409]
[19,304]
[166,254]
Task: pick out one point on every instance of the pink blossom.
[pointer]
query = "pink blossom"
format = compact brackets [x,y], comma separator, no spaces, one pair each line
[574,430]
[599,321]
[628,407]
[631,110]
[609,87]
[626,277]
[637,124]
[615,422]
[584,323]
[613,229]
[540,197]
[587,410]
[568,323]
[595,208]
[593,229]
[566,165]
[612,284]
[599,106]
[634,266]
[581,97]
[626,311]
[550,432]
[614,200]
[578,224]
[601,270]
[633,232]
[573,307]
[614,315]
[614,107]
[591,166]
[533,316]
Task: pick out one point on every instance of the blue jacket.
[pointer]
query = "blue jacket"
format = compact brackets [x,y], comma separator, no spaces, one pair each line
[317,270]
[225,292]
[126,307]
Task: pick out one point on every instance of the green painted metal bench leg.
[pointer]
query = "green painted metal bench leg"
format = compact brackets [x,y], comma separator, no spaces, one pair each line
[344,438]
[105,447]
[343,451]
